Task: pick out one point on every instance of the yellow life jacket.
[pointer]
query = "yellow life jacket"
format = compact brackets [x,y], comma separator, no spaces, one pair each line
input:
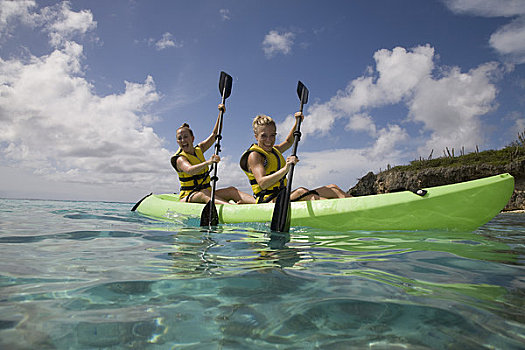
[191,183]
[273,161]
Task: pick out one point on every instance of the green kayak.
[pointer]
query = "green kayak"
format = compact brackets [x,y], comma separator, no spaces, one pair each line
[460,207]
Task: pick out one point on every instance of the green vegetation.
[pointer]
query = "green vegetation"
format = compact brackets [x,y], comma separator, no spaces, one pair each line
[515,151]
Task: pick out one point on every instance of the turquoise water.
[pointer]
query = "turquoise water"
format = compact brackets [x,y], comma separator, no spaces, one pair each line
[94,275]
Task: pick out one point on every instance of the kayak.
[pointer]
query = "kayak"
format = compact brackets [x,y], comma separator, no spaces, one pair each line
[463,206]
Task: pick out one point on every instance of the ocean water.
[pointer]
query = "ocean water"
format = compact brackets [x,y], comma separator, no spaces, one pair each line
[94,275]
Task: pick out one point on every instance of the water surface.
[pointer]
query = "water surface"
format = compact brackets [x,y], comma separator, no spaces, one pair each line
[94,275]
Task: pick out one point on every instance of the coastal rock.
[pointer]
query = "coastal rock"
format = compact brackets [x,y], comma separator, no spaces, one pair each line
[395,180]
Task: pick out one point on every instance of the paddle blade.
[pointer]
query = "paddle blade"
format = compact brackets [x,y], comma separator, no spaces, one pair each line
[302,92]
[225,85]
[281,213]
[209,215]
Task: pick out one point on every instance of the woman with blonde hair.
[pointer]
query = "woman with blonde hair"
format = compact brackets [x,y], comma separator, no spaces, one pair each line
[266,167]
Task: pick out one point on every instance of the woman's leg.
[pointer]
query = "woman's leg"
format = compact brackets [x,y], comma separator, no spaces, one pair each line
[331,191]
[232,193]
[302,194]
[204,196]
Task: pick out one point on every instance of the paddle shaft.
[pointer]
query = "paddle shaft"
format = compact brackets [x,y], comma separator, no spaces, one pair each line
[209,215]
[281,212]
[217,150]
[297,137]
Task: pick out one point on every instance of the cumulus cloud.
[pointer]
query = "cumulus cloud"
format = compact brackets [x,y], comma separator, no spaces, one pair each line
[508,40]
[165,42]
[362,122]
[58,21]
[63,24]
[13,11]
[275,43]
[344,166]
[450,107]
[394,79]
[55,125]
[444,102]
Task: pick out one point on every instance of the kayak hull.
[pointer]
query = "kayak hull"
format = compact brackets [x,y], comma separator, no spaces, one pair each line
[463,206]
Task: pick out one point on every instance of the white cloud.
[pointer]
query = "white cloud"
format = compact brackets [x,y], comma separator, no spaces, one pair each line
[12,11]
[446,106]
[63,24]
[59,21]
[450,107]
[166,41]
[54,123]
[487,8]
[275,42]
[387,141]
[344,166]
[509,40]
[230,174]
[362,122]
[56,127]
[225,14]
[398,74]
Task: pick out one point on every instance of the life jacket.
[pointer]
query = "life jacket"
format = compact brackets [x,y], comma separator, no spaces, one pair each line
[191,183]
[273,161]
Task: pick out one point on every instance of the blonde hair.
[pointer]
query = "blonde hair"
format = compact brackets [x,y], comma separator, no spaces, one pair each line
[186,125]
[262,120]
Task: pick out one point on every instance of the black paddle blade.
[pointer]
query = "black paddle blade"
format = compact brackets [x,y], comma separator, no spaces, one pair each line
[302,92]
[209,215]
[225,85]
[281,213]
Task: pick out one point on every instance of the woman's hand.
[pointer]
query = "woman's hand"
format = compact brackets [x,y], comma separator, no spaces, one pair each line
[222,108]
[291,160]
[288,142]
[214,159]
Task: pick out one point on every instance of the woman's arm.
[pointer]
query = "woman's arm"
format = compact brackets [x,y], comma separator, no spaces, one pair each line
[206,144]
[184,165]
[288,142]
[256,166]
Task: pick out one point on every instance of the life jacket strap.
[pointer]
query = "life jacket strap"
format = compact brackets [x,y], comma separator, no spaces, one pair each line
[270,193]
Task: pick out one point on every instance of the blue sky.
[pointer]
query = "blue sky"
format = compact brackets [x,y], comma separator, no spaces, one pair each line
[91,92]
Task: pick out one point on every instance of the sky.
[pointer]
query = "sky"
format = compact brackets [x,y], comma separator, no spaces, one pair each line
[92,91]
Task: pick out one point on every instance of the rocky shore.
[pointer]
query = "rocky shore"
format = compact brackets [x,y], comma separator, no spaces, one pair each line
[399,179]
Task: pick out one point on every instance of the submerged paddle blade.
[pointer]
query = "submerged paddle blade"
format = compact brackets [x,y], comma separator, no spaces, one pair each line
[302,92]
[209,215]
[225,85]
[281,213]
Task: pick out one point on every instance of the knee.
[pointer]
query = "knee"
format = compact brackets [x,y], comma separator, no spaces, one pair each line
[301,190]
[229,190]
[334,187]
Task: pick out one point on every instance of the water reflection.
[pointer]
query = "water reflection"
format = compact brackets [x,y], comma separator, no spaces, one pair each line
[226,251]
[442,265]
[380,244]
[159,285]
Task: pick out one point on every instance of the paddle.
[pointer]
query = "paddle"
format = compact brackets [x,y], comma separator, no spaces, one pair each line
[209,215]
[282,208]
